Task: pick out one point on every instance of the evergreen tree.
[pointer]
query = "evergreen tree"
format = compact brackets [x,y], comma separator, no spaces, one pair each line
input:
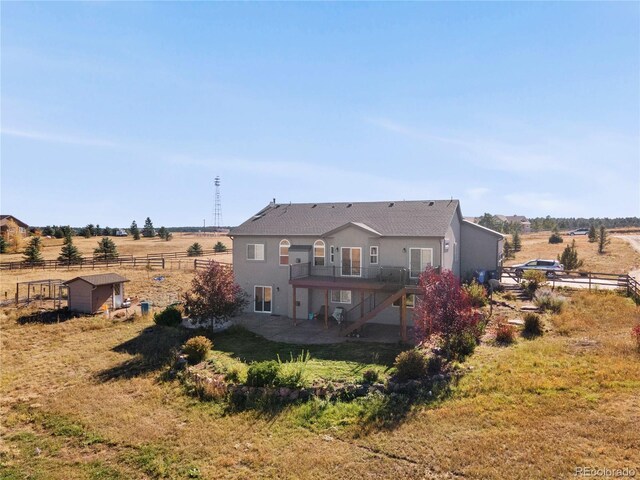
[69,252]
[603,239]
[57,232]
[89,230]
[67,231]
[97,231]
[507,249]
[47,231]
[219,247]
[3,244]
[593,234]
[106,250]
[516,242]
[148,231]
[135,231]
[569,257]
[555,236]
[194,250]
[164,234]
[32,252]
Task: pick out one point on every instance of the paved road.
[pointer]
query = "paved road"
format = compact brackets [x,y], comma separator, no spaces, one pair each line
[634,241]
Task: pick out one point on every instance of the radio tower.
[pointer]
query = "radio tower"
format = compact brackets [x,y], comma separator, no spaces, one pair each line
[217,205]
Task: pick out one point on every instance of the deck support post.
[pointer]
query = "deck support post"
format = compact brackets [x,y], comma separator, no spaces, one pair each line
[361,303]
[326,309]
[403,317]
[295,320]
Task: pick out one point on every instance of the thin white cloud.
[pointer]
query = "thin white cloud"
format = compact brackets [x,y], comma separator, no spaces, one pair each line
[58,138]
[548,203]
[477,193]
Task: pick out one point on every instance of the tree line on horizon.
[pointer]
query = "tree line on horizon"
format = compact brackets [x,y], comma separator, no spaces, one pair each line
[548,223]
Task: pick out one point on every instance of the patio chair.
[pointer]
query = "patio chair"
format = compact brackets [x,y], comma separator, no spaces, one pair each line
[338,315]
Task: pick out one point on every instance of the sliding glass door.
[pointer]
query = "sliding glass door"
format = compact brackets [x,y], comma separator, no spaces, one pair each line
[419,260]
[351,261]
[262,299]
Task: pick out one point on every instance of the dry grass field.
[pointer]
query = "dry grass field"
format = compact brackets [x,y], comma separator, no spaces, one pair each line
[620,256]
[85,399]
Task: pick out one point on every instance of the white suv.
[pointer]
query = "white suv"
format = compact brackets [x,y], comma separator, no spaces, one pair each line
[551,267]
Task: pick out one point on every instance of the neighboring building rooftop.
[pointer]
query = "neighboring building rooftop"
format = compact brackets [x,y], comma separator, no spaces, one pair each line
[100,279]
[512,218]
[415,218]
[5,218]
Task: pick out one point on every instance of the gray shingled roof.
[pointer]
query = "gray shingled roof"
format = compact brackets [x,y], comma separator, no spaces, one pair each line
[428,218]
[100,279]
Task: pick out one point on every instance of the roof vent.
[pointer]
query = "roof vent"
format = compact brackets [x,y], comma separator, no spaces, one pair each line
[277,206]
[391,204]
[431,204]
[349,205]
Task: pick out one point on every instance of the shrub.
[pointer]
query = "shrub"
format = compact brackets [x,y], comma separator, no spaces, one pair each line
[445,308]
[370,376]
[460,346]
[533,325]
[410,365]
[505,334]
[210,388]
[434,365]
[233,375]
[263,374]
[546,300]
[635,334]
[555,236]
[477,294]
[569,257]
[533,279]
[219,247]
[196,348]
[169,317]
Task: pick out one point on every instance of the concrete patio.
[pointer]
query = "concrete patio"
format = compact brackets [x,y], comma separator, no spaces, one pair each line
[308,332]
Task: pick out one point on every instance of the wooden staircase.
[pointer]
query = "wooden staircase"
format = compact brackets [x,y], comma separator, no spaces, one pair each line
[372,313]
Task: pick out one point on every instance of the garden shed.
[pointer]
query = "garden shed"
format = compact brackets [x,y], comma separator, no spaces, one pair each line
[89,293]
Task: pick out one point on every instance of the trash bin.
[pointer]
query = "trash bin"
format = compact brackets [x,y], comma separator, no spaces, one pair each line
[144,307]
[481,276]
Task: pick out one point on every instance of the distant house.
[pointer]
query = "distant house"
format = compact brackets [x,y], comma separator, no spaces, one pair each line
[5,220]
[304,259]
[525,224]
[89,293]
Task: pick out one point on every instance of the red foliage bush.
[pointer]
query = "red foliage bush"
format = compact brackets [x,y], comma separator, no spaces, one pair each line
[214,295]
[635,333]
[444,308]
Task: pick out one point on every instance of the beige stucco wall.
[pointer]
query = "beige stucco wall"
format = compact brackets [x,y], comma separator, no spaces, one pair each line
[80,296]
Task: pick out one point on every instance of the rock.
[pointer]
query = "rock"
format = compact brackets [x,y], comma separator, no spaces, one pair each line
[294,395]
[284,392]
[516,321]
[327,438]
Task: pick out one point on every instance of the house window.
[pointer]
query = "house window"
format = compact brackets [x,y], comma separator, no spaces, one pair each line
[284,252]
[351,261]
[410,303]
[373,255]
[318,253]
[341,296]
[262,299]
[419,260]
[332,254]
[255,251]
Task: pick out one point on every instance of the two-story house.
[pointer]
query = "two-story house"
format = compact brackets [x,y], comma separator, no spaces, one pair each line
[298,260]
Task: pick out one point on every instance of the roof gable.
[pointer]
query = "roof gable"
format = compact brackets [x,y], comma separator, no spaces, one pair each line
[416,218]
[358,225]
[99,279]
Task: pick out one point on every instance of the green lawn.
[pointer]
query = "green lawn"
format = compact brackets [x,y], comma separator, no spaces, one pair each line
[238,347]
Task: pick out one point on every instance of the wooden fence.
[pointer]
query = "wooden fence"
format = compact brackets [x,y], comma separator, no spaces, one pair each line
[202,263]
[151,260]
[590,280]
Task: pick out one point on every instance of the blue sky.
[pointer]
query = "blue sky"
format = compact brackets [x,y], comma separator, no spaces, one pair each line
[117,111]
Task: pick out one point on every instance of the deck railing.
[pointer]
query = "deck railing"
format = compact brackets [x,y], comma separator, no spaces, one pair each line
[382,274]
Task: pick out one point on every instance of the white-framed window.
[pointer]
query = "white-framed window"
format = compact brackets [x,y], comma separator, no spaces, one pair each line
[351,261]
[419,260]
[255,251]
[284,251]
[262,299]
[332,254]
[373,255]
[318,253]
[410,303]
[341,296]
